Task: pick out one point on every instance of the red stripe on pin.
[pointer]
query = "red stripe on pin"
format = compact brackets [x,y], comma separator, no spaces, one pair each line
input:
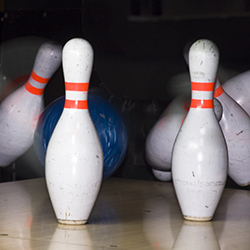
[76,86]
[202,86]
[202,104]
[38,78]
[76,104]
[218,91]
[33,90]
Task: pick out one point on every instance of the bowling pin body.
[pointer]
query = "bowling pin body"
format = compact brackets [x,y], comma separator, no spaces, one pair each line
[200,159]
[239,89]
[235,124]
[161,137]
[74,158]
[20,111]
[160,140]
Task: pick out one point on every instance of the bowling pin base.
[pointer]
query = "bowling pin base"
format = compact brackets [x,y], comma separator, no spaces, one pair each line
[244,184]
[162,175]
[72,222]
[191,218]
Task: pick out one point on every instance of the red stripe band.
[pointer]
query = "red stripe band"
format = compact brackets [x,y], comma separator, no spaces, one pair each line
[76,86]
[218,91]
[202,104]
[33,90]
[202,86]
[76,104]
[38,78]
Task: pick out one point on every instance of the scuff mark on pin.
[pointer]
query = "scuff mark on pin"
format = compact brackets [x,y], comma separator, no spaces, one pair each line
[240,132]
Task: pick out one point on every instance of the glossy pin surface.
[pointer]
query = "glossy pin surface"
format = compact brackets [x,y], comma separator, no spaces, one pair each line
[239,89]
[235,124]
[200,159]
[162,135]
[161,138]
[74,158]
[20,111]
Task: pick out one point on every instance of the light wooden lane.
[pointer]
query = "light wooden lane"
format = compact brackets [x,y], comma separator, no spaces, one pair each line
[128,214]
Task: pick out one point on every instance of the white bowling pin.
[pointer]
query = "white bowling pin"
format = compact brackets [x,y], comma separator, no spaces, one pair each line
[235,124]
[160,140]
[17,60]
[19,112]
[239,89]
[199,159]
[74,158]
[162,175]
[161,137]
[179,84]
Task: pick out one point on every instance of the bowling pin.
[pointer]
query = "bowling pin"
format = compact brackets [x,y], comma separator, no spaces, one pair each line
[161,137]
[74,158]
[17,60]
[20,111]
[162,175]
[235,124]
[239,89]
[179,84]
[160,140]
[200,158]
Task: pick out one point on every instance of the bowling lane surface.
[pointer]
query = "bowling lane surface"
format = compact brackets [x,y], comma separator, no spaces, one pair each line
[128,214]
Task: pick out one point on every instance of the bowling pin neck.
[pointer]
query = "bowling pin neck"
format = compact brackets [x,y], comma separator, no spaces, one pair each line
[76,95]
[36,84]
[202,95]
[203,64]
[47,61]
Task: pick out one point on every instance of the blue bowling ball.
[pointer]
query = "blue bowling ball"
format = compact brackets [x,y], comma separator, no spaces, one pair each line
[108,123]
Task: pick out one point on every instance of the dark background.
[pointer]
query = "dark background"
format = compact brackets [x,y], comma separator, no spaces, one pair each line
[138,47]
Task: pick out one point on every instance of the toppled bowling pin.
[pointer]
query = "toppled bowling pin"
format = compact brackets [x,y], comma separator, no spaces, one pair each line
[160,140]
[17,60]
[74,158]
[20,111]
[200,158]
[239,89]
[235,124]
[162,175]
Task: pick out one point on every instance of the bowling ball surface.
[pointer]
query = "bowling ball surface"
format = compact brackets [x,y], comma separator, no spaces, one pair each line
[108,123]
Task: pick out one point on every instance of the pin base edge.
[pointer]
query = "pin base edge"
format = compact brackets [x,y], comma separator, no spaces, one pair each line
[244,184]
[191,218]
[72,222]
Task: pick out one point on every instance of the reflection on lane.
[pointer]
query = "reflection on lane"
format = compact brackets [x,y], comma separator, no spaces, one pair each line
[196,235]
[162,218]
[232,220]
[71,237]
